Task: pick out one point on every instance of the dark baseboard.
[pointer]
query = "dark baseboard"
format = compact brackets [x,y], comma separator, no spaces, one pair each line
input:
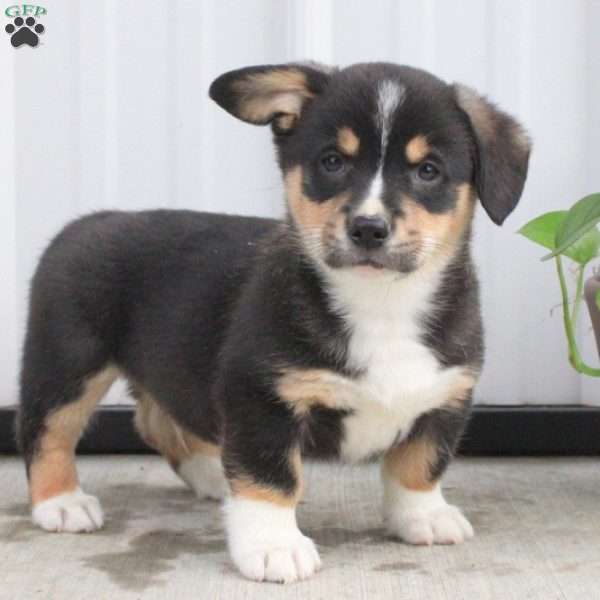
[493,431]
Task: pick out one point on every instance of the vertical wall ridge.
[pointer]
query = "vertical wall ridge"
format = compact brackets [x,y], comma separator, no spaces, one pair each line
[110,92]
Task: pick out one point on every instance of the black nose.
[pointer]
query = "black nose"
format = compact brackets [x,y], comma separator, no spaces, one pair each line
[368,232]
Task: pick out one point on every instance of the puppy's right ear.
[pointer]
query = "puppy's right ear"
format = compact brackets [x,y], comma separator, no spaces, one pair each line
[269,94]
[503,149]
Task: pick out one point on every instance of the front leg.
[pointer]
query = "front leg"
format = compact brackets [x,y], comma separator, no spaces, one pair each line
[263,466]
[414,507]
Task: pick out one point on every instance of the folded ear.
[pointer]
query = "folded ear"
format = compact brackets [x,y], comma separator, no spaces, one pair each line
[503,148]
[269,94]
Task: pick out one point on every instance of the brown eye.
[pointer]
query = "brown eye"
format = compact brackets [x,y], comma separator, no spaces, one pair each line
[332,162]
[428,171]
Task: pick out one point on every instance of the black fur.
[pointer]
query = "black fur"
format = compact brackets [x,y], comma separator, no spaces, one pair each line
[150,292]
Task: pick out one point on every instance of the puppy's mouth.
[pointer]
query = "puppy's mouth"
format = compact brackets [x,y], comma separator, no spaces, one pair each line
[401,260]
[369,262]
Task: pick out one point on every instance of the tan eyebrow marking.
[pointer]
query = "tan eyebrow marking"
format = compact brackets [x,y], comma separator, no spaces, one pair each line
[347,141]
[417,149]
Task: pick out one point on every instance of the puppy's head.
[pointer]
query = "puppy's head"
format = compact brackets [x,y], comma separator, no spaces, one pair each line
[382,163]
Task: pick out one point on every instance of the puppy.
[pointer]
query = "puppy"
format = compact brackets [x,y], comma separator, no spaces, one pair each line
[349,330]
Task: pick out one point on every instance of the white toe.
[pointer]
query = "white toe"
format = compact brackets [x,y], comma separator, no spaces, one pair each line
[252,566]
[412,530]
[279,565]
[450,526]
[306,559]
[71,512]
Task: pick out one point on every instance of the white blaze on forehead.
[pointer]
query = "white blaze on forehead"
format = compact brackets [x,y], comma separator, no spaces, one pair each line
[390,96]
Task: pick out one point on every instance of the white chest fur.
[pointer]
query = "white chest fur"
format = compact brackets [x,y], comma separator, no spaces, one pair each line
[402,378]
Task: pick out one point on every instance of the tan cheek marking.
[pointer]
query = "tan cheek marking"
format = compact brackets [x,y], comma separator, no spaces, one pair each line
[52,470]
[446,228]
[312,217]
[264,94]
[161,432]
[410,464]
[462,214]
[246,488]
[417,149]
[348,142]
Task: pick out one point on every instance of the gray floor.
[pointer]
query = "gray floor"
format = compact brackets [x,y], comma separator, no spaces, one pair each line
[537,527]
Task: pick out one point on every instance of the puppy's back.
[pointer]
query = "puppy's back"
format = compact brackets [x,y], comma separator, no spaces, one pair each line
[139,290]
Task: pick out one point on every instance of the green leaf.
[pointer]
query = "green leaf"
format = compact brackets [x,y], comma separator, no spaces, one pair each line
[585,248]
[582,217]
[543,229]
[598,299]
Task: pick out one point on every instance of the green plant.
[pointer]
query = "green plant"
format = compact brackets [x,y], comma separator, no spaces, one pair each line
[572,234]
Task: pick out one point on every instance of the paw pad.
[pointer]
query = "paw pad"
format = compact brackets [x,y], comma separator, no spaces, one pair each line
[24,32]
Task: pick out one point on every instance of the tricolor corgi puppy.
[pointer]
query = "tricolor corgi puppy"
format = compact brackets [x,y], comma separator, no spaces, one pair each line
[350,329]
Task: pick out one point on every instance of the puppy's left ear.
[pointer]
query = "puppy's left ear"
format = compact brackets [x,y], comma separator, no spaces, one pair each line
[274,94]
[503,148]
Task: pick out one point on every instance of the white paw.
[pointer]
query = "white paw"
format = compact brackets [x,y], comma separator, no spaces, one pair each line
[299,559]
[423,518]
[443,525]
[265,543]
[204,474]
[72,512]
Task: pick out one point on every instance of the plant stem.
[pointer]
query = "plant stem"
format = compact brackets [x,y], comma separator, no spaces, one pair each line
[578,294]
[574,356]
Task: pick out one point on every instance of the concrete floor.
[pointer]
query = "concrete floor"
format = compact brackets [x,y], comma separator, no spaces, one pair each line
[537,527]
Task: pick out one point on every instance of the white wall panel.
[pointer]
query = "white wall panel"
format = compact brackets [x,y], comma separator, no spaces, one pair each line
[111,110]
[9,319]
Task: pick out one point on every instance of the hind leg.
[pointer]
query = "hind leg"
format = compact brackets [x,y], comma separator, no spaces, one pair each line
[49,431]
[196,461]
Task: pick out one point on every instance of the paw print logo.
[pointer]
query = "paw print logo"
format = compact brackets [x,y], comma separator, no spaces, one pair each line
[24,32]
